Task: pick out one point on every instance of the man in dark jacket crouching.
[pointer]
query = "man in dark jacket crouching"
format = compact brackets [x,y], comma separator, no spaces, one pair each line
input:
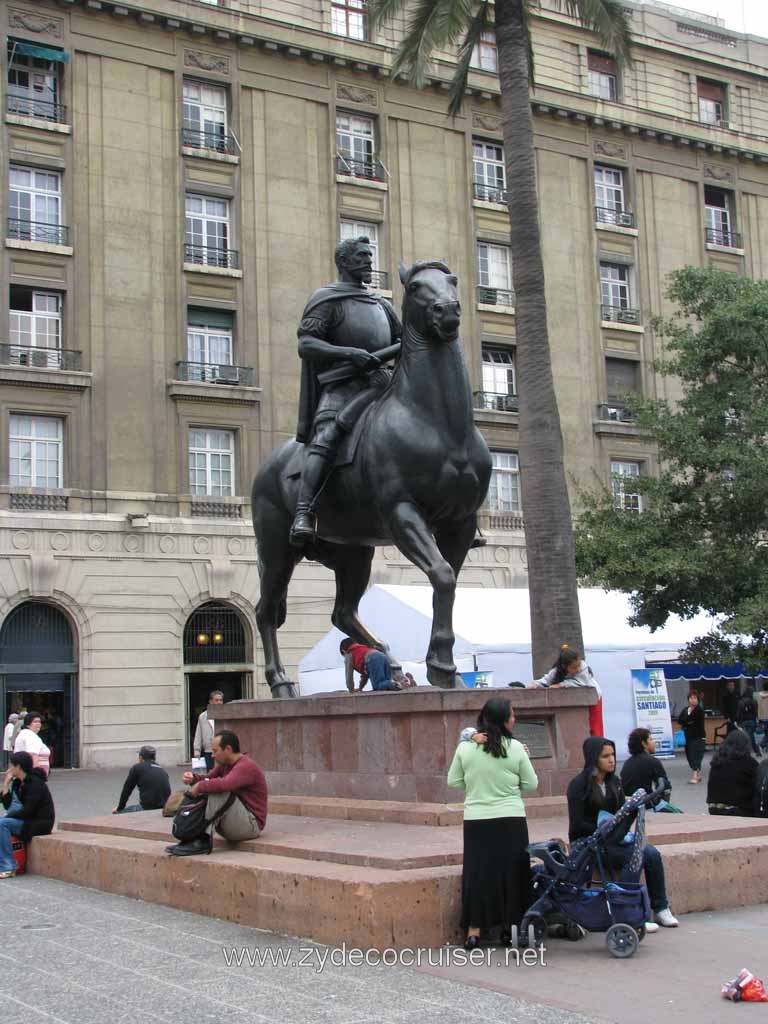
[29,808]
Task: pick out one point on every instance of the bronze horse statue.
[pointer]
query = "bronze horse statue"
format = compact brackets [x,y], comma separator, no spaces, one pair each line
[419,474]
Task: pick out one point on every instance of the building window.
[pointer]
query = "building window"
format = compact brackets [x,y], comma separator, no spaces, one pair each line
[209,344]
[494,275]
[485,55]
[499,371]
[34,81]
[625,498]
[36,451]
[490,180]
[610,197]
[207,232]
[348,18]
[602,76]
[356,146]
[504,489]
[711,101]
[204,114]
[35,327]
[622,378]
[34,206]
[718,210]
[614,285]
[211,462]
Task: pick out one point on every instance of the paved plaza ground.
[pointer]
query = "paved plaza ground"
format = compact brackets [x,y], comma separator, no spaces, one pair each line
[86,957]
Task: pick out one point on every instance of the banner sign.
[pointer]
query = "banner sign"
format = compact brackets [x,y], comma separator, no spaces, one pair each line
[649,692]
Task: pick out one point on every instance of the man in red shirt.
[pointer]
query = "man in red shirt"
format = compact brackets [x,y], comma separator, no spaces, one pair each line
[370,663]
[233,772]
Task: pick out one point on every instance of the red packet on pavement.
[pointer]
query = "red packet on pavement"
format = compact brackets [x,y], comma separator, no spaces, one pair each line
[745,988]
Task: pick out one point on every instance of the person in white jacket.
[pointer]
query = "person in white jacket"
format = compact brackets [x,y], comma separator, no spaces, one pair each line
[8,737]
[571,670]
[203,741]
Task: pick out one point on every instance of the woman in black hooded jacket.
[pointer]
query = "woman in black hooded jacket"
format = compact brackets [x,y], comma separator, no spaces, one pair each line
[597,788]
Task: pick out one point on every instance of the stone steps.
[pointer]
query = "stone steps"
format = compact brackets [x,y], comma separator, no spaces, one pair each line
[367,883]
[399,811]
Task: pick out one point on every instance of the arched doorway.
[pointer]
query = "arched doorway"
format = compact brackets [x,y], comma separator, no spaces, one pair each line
[38,672]
[217,656]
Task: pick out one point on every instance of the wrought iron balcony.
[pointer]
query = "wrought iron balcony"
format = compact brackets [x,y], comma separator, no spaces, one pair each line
[30,106]
[39,502]
[372,168]
[489,193]
[615,412]
[619,218]
[620,314]
[211,256]
[216,509]
[496,296]
[728,239]
[379,279]
[216,141]
[36,231]
[40,358]
[499,402]
[215,373]
[506,521]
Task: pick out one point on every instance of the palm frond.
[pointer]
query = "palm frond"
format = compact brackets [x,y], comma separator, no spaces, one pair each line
[608,19]
[433,25]
[480,23]
[380,11]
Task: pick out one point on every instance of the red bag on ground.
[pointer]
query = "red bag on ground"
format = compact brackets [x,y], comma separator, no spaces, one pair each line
[745,988]
[19,855]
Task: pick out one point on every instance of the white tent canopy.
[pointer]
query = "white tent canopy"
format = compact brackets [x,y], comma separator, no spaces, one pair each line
[493,633]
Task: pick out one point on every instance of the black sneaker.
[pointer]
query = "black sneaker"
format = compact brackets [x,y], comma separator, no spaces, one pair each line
[196,846]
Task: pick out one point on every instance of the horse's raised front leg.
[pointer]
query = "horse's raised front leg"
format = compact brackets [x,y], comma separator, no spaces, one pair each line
[414,539]
[275,572]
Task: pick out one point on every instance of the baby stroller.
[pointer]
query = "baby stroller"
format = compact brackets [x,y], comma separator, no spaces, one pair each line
[567,896]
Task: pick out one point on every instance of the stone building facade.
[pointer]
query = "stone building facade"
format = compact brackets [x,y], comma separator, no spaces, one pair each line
[178,173]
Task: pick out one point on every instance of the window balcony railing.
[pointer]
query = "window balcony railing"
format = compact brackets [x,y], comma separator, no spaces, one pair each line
[211,256]
[506,521]
[497,401]
[728,239]
[380,279]
[489,193]
[36,231]
[30,106]
[39,502]
[40,358]
[496,296]
[620,314]
[216,509]
[372,169]
[196,139]
[615,412]
[215,373]
[619,218]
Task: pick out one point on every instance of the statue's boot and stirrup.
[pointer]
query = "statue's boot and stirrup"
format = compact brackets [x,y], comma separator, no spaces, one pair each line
[317,469]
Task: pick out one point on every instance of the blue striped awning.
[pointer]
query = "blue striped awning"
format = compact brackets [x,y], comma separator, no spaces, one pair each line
[697,673]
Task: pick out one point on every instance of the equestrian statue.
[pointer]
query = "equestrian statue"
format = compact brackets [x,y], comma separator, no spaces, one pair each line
[380,456]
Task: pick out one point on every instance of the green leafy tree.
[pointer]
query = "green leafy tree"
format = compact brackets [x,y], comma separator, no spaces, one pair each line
[701,540]
[435,25]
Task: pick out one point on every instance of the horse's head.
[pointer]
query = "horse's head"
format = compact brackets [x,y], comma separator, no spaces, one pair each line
[431,302]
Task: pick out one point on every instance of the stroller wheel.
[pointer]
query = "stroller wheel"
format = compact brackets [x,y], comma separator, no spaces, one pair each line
[574,932]
[621,940]
[537,930]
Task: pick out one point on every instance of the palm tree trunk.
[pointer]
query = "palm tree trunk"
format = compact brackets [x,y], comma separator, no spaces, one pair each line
[552,585]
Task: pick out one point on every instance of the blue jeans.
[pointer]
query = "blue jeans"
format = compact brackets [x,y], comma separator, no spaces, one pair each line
[749,726]
[379,671]
[653,866]
[8,827]
[131,808]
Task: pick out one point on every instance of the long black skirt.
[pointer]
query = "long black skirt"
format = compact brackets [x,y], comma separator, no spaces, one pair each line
[496,881]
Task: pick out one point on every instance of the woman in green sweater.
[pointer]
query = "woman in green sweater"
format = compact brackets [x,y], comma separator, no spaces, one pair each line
[494,770]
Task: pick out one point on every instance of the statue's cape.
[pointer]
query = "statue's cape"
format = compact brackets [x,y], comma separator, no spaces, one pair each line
[309,394]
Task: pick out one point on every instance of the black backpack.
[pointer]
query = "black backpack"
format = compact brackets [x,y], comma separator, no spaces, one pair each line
[747,709]
[190,821]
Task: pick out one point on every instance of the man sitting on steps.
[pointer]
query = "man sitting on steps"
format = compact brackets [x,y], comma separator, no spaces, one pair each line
[233,773]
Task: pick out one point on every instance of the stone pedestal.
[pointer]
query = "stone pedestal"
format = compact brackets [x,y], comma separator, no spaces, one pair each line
[399,746]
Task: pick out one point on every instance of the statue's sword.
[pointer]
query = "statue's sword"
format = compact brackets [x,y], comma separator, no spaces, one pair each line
[347,370]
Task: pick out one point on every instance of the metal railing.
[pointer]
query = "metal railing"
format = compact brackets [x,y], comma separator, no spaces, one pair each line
[29,106]
[215,373]
[40,358]
[506,521]
[499,402]
[620,314]
[216,510]
[372,169]
[36,231]
[489,193]
[619,218]
[219,143]
[496,296]
[39,502]
[728,239]
[380,279]
[615,412]
[211,256]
